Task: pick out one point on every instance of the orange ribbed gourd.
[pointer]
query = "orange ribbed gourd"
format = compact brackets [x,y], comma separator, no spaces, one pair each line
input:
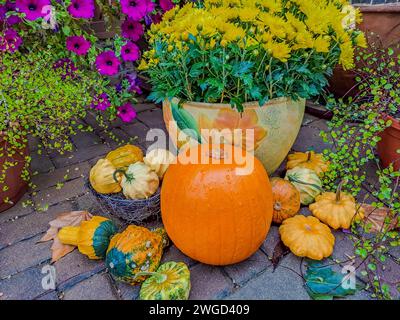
[212,213]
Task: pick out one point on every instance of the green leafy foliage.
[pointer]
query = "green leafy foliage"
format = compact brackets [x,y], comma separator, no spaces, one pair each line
[354,133]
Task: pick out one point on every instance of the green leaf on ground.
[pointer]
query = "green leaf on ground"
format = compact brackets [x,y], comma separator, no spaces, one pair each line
[322,283]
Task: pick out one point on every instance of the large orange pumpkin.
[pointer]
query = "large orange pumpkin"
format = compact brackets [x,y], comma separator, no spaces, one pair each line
[211,211]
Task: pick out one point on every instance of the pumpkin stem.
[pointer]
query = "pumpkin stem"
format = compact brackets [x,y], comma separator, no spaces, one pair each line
[308,156]
[129,177]
[339,189]
[69,235]
[277,206]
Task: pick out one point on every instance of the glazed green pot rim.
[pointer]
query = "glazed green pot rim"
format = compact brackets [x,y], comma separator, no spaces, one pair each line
[247,105]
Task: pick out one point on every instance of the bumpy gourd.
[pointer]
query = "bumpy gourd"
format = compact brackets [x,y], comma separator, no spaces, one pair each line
[306,182]
[308,160]
[135,250]
[170,282]
[307,237]
[91,237]
[286,199]
[124,156]
[139,181]
[159,160]
[338,210]
[102,177]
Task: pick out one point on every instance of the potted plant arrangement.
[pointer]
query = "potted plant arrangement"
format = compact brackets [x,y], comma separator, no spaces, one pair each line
[381,22]
[42,100]
[379,97]
[246,65]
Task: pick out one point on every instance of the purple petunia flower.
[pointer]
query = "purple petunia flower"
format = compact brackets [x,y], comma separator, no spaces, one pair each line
[130,52]
[132,29]
[150,6]
[107,63]
[134,9]
[4,9]
[134,82]
[81,9]
[32,8]
[78,44]
[166,5]
[10,41]
[126,112]
[100,102]
[67,67]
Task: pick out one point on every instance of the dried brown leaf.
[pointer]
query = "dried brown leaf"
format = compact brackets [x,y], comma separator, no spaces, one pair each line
[377,216]
[73,218]
[280,251]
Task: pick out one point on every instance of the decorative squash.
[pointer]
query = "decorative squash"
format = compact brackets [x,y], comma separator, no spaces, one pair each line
[286,199]
[91,237]
[124,156]
[337,210]
[159,161]
[101,177]
[139,181]
[307,237]
[306,182]
[308,160]
[135,250]
[212,211]
[170,282]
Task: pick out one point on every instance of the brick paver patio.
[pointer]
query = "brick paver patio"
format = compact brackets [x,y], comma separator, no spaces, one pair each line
[22,259]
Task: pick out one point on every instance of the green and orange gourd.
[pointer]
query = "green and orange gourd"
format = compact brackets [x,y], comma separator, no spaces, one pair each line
[92,237]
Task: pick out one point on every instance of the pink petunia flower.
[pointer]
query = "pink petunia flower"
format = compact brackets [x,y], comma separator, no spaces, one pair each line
[150,6]
[4,9]
[81,9]
[107,63]
[101,102]
[10,41]
[126,112]
[130,52]
[78,44]
[134,9]
[132,29]
[166,5]
[33,9]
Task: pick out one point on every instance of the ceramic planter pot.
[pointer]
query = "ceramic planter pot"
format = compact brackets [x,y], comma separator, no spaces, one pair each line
[382,20]
[16,185]
[275,126]
[390,143]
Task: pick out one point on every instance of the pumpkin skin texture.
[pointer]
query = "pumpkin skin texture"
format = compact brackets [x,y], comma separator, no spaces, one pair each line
[306,182]
[91,237]
[307,237]
[308,160]
[211,213]
[134,250]
[286,199]
[337,210]
[139,181]
[124,156]
[159,160]
[170,282]
[101,177]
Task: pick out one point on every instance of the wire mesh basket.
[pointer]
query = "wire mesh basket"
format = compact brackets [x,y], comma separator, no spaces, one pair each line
[131,210]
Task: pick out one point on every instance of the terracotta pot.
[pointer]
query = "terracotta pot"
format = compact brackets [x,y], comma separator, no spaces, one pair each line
[384,22]
[16,185]
[390,143]
[275,126]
